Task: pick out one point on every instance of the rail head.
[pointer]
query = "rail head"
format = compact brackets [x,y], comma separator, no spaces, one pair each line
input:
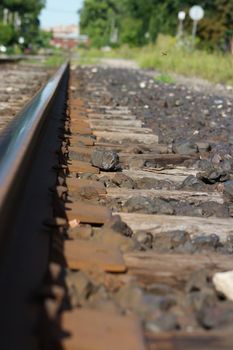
[5,59]
[20,138]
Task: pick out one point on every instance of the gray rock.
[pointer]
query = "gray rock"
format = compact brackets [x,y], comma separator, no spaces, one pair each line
[197,298]
[198,281]
[229,245]
[162,241]
[186,248]
[145,239]
[228,189]
[160,289]
[148,183]
[193,182]
[163,207]
[178,238]
[203,146]
[170,240]
[204,165]
[230,209]
[88,176]
[79,287]
[213,176]
[214,316]
[136,163]
[119,226]
[139,204]
[223,150]
[206,242]
[226,165]
[184,147]
[166,322]
[109,237]
[187,209]
[107,181]
[123,181]
[162,302]
[216,158]
[230,139]
[105,160]
[214,209]
[130,297]
[138,149]
[142,204]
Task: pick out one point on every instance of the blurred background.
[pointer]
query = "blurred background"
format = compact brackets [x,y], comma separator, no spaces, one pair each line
[158,34]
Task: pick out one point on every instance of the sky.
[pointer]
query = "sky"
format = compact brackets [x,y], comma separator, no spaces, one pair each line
[60,12]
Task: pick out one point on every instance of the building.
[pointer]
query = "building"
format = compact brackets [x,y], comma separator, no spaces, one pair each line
[66,37]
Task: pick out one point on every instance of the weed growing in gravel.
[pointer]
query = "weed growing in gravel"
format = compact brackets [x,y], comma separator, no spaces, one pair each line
[164,78]
[54,60]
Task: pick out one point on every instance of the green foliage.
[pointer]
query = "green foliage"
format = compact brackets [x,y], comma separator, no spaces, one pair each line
[96,20]
[140,21]
[24,6]
[27,11]
[6,34]
[130,29]
[216,28]
[44,38]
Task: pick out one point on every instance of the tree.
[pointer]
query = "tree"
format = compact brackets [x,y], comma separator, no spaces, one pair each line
[24,6]
[21,19]
[96,20]
[6,34]
[139,20]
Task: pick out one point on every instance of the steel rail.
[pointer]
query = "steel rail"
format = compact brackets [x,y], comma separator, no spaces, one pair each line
[10,59]
[18,143]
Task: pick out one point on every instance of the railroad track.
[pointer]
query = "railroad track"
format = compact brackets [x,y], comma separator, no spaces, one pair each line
[104,258]
[10,59]
[18,85]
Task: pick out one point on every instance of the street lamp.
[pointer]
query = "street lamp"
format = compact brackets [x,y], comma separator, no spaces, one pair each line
[21,40]
[196,13]
[181,17]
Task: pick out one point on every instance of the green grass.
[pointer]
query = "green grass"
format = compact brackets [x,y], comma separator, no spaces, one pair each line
[164,78]
[51,61]
[214,67]
[167,58]
[54,60]
[85,57]
[93,56]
